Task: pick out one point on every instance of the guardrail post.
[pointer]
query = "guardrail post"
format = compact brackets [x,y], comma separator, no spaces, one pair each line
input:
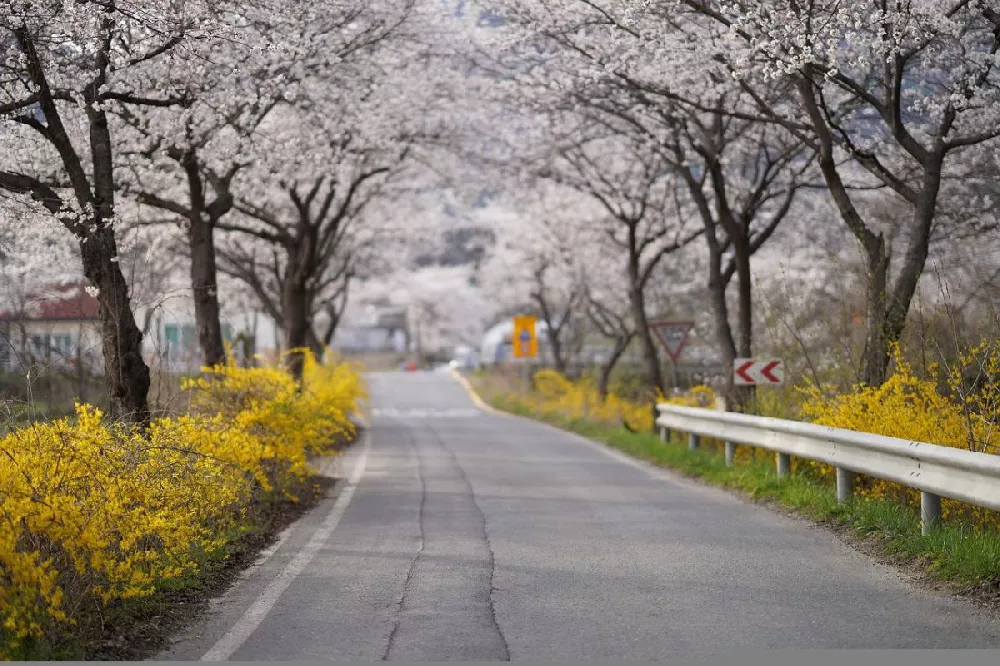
[730,453]
[930,512]
[784,465]
[845,484]
[693,441]
[664,435]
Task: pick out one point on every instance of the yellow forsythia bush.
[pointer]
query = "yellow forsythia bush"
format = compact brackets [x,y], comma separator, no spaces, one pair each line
[917,409]
[283,424]
[557,395]
[92,512]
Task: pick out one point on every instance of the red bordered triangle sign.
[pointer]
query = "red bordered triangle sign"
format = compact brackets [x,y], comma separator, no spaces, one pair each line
[673,335]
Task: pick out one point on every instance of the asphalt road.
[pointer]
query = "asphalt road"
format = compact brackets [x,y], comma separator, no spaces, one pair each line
[469,536]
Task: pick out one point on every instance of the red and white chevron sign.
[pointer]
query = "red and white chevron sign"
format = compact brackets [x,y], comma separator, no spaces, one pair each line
[751,372]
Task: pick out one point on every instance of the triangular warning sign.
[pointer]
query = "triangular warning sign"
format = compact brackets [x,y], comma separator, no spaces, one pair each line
[673,335]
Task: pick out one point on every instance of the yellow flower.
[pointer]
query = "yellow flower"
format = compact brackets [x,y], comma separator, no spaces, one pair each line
[91,509]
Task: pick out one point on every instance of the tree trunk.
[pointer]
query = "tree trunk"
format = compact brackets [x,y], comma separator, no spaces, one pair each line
[555,344]
[885,318]
[297,325]
[875,361]
[604,379]
[80,375]
[125,372]
[915,259]
[316,346]
[204,274]
[204,285]
[743,395]
[653,378]
[723,330]
[251,353]
[637,300]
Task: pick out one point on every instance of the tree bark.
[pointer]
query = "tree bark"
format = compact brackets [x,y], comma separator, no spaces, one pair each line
[125,372]
[604,379]
[886,312]
[555,344]
[876,356]
[637,300]
[204,286]
[204,274]
[898,304]
[316,346]
[741,251]
[298,328]
[717,284]
[653,378]
[743,395]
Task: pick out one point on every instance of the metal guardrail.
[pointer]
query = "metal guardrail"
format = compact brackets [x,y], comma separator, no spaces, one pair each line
[936,471]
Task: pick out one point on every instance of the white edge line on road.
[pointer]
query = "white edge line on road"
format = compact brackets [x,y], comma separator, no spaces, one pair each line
[659,473]
[246,625]
[326,469]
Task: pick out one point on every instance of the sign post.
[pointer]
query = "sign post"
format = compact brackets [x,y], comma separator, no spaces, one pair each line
[525,343]
[673,336]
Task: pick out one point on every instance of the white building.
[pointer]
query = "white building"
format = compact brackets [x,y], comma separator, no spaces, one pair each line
[171,341]
[57,326]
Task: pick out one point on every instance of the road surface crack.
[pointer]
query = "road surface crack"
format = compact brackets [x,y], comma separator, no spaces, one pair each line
[491,562]
[413,564]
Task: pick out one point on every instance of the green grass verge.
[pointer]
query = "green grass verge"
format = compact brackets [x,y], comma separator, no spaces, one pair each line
[956,553]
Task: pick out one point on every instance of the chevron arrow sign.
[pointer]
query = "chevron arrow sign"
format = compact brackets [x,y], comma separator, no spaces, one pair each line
[752,372]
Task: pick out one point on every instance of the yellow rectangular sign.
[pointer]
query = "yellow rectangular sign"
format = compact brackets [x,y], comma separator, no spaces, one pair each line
[524,340]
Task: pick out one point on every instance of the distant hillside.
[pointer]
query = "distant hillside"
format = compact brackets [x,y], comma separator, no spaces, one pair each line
[464,246]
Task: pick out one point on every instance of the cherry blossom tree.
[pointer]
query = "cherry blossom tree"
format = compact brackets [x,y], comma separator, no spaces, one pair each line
[637,189]
[65,65]
[604,286]
[533,266]
[306,228]
[190,160]
[906,92]
[738,175]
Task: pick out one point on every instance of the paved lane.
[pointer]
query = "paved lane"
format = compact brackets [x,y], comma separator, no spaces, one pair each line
[479,537]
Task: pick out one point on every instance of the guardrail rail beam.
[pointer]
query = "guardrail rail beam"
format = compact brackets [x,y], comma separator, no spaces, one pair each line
[936,471]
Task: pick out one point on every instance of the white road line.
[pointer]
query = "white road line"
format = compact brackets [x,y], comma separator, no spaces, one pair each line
[246,625]
[454,413]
